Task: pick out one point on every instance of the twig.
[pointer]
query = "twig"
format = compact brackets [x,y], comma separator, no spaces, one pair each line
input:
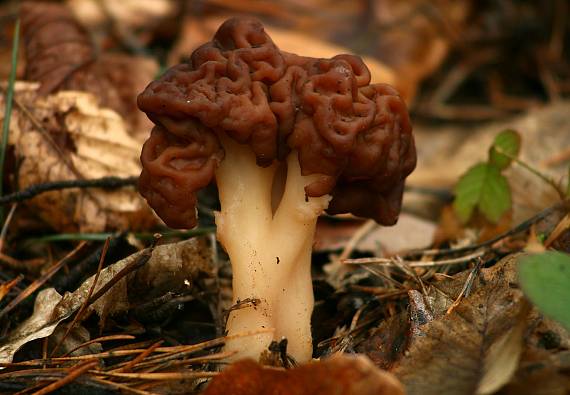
[395,262]
[41,281]
[466,290]
[34,190]
[85,267]
[562,226]
[103,236]
[377,272]
[141,260]
[99,340]
[157,376]
[122,387]
[517,229]
[362,231]
[6,225]
[84,306]
[219,357]
[74,373]
[139,358]
[167,353]
[6,287]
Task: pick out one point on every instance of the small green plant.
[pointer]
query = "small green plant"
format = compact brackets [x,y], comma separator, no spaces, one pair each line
[483,187]
[545,280]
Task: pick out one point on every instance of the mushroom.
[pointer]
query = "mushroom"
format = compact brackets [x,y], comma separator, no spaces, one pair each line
[285,137]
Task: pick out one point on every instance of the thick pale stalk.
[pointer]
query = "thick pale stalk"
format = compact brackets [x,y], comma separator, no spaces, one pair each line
[270,252]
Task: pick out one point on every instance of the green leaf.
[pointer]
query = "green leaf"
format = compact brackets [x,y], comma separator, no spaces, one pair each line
[485,188]
[545,280]
[506,146]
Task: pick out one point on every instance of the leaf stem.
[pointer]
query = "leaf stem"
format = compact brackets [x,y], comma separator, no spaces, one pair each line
[534,171]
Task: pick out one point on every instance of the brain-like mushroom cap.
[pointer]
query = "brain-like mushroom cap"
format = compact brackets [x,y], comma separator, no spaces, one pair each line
[356,136]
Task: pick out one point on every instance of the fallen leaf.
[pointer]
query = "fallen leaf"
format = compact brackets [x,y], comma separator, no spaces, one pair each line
[171,268]
[414,37]
[75,343]
[386,344]
[41,324]
[339,375]
[60,56]
[544,364]
[131,14]
[66,136]
[475,349]
[540,373]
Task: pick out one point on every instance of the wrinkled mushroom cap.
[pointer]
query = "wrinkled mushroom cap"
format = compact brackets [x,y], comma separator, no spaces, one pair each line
[356,136]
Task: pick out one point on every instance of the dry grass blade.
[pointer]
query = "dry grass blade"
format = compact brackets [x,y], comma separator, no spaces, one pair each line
[355,239]
[523,226]
[41,281]
[74,373]
[84,306]
[169,365]
[157,376]
[9,101]
[562,226]
[6,225]
[394,262]
[6,287]
[129,366]
[99,340]
[153,367]
[123,387]
[467,286]
[134,265]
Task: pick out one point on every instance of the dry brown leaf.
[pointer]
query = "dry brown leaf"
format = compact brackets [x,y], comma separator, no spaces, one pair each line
[339,375]
[132,14]
[41,324]
[60,55]
[91,142]
[475,349]
[76,342]
[172,267]
[541,372]
[543,369]
[415,36]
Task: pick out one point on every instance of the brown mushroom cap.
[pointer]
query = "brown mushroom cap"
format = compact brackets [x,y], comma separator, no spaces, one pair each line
[357,136]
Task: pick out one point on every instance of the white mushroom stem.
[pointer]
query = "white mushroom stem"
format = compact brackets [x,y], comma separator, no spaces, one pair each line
[270,251]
